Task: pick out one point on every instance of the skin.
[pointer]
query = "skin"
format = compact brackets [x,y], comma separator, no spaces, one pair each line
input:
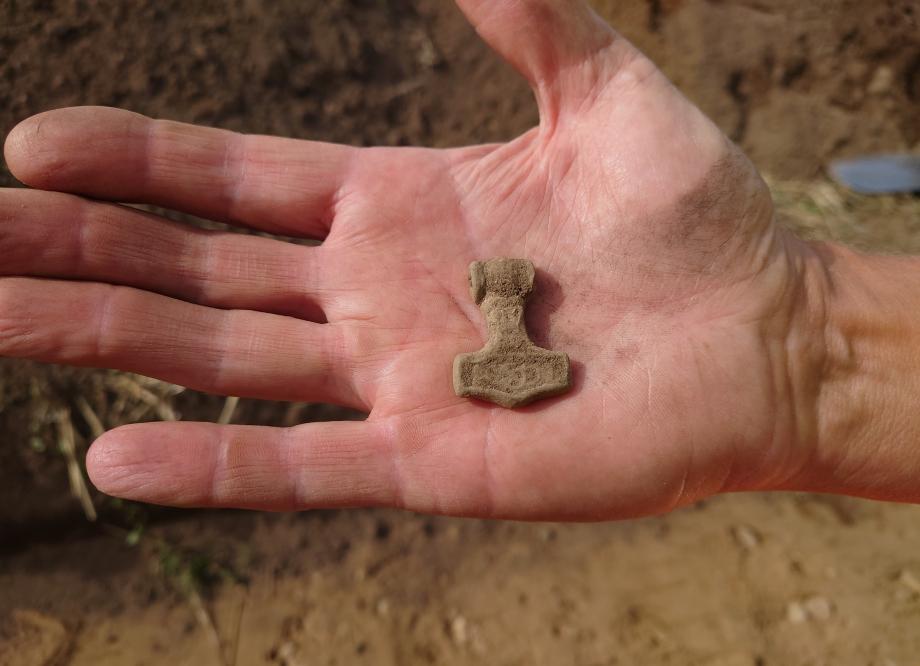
[711,350]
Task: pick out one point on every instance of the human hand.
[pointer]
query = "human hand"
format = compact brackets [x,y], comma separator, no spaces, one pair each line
[659,271]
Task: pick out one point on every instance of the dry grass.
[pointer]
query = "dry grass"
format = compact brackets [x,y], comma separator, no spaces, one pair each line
[67,444]
[822,210]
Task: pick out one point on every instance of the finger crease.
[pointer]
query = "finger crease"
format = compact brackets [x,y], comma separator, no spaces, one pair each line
[219,465]
[297,494]
[78,259]
[225,335]
[236,172]
[106,307]
[203,267]
[397,471]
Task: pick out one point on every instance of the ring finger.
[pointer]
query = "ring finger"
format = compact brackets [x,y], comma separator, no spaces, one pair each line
[231,352]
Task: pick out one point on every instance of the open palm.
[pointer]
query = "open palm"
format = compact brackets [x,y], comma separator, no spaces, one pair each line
[659,272]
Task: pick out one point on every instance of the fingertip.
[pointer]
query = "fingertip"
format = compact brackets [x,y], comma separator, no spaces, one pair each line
[15,146]
[31,148]
[160,463]
[129,462]
[49,150]
[108,461]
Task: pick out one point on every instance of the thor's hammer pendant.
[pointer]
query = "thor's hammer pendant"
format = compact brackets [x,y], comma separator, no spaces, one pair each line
[510,370]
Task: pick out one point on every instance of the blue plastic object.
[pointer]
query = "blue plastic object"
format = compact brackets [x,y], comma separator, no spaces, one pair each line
[880,174]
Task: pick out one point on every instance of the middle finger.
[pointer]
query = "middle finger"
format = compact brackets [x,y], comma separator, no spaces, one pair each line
[49,234]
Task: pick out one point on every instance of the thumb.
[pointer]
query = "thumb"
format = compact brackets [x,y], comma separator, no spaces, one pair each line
[561,47]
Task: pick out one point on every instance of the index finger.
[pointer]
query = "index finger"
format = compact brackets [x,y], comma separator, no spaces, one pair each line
[285,186]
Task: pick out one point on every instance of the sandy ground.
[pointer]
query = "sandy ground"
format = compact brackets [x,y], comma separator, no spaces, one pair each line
[751,580]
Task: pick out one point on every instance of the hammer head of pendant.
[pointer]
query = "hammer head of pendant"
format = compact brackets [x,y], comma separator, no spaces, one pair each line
[502,277]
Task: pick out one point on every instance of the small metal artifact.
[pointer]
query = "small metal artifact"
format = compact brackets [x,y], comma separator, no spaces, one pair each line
[510,370]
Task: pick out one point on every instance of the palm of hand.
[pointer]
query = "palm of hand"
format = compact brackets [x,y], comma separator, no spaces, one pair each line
[638,283]
[659,273]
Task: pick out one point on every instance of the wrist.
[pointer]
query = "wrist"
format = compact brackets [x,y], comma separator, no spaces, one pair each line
[789,337]
[864,311]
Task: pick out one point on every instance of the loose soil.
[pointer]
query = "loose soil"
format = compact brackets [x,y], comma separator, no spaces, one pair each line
[749,580]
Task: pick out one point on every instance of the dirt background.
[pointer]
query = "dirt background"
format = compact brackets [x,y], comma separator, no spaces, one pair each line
[750,580]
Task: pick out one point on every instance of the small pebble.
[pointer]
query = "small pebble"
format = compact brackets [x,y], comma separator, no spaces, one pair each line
[818,608]
[881,81]
[910,581]
[458,630]
[813,608]
[747,537]
[795,613]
